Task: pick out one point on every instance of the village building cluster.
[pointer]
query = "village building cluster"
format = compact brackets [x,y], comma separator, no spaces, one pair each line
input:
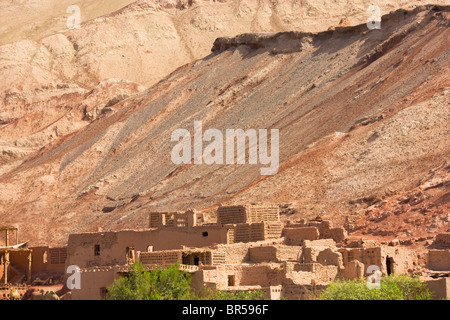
[247,248]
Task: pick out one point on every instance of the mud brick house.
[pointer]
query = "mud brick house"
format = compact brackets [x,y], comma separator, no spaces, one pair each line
[246,249]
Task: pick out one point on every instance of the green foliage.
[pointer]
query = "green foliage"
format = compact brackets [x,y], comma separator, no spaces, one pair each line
[392,287]
[159,284]
[168,283]
[209,294]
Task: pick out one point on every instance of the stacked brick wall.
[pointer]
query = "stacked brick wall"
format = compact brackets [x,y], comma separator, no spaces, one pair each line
[231,215]
[261,213]
[160,258]
[58,255]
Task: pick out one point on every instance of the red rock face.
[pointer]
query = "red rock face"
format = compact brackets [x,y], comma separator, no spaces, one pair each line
[362,116]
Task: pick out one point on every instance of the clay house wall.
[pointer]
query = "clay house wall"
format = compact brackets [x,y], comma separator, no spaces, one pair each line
[440,287]
[43,259]
[252,232]
[289,253]
[5,293]
[442,240]
[226,277]
[397,260]
[325,228]
[94,281]
[329,257]
[296,236]
[302,292]
[311,249]
[274,253]
[111,248]
[192,257]
[262,254]
[312,273]
[353,270]
[388,259]
[247,214]
[439,260]
[189,218]
[237,253]
[19,260]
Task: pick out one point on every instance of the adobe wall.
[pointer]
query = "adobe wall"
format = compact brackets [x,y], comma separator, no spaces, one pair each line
[439,260]
[189,218]
[161,258]
[312,273]
[288,253]
[5,294]
[247,214]
[262,213]
[113,245]
[92,280]
[274,253]
[325,228]
[439,287]
[231,215]
[237,253]
[353,270]
[302,292]
[404,259]
[329,257]
[262,254]
[401,259]
[442,240]
[248,275]
[43,259]
[296,236]
[19,260]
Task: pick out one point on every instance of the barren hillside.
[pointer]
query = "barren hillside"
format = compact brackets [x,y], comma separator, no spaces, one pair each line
[363,116]
[47,70]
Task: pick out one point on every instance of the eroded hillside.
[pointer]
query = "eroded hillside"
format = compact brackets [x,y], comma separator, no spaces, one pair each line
[362,114]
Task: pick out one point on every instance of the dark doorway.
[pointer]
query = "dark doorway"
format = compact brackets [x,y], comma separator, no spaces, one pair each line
[389,265]
[97,250]
[196,260]
[231,280]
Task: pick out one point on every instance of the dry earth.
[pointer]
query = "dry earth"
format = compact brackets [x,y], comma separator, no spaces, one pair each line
[363,117]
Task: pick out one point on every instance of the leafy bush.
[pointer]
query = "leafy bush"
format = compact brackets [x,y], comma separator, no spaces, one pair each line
[159,284]
[209,294]
[168,283]
[392,287]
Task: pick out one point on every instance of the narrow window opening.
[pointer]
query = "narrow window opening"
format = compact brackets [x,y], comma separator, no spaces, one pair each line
[231,280]
[97,250]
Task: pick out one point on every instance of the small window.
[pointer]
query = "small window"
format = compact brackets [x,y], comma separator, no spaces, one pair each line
[97,250]
[205,233]
[231,280]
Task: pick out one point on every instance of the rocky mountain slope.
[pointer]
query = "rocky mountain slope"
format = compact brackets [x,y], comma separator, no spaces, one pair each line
[43,63]
[362,117]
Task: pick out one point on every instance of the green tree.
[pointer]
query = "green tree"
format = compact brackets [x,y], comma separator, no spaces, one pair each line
[160,284]
[392,287]
[168,283]
[209,294]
